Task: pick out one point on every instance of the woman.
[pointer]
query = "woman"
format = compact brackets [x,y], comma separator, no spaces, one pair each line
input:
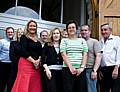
[14,57]
[74,52]
[52,61]
[28,76]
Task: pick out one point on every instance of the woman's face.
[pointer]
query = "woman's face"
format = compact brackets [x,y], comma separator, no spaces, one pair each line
[19,33]
[32,28]
[56,35]
[71,29]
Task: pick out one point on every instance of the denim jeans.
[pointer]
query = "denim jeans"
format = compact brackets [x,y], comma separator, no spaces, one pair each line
[91,84]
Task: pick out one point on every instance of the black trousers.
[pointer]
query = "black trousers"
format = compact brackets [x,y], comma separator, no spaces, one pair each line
[13,75]
[55,84]
[107,82]
[73,83]
[5,69]
[43,79]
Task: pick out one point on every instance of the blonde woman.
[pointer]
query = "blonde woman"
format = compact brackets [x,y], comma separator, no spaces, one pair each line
[52,61]
[28,76]
[14,57]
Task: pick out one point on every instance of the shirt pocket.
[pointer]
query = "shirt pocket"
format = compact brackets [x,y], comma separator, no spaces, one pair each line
[108,49]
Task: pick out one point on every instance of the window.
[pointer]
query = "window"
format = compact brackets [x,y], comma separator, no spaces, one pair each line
[32,4]
[5,6]
[2,33]
[71,10]
[51,10]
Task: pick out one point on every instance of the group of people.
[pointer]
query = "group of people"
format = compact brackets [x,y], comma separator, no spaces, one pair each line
[59,61]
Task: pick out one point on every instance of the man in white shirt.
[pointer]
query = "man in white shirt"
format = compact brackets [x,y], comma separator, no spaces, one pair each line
[110,60]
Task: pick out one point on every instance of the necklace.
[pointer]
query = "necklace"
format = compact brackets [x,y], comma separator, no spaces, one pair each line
[33,38]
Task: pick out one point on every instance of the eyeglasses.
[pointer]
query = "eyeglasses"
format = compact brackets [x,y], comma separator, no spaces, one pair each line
[104,29]
[71,27]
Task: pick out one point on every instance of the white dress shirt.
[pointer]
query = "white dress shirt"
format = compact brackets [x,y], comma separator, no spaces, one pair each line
[111,51]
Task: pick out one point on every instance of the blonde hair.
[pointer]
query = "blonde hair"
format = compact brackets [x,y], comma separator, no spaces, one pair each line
[19,29]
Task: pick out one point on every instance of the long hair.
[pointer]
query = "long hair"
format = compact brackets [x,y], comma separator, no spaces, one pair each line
[27,26]
[50,38]
[19,29]
[27,30]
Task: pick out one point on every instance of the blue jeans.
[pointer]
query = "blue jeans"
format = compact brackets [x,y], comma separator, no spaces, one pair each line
[91,84]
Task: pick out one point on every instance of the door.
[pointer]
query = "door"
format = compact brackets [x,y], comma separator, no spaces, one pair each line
[109,12]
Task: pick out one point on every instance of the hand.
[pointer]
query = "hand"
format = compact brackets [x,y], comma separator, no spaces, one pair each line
[115,73]
[73,70]
[48,74]
[39,60]
[36,64]
[93,75]
[79,71]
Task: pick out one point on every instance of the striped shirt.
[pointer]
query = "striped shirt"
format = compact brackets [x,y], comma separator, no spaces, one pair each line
[74,49]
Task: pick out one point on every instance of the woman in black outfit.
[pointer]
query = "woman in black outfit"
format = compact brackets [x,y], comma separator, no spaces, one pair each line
[14,57]
[52,61]
[28,76]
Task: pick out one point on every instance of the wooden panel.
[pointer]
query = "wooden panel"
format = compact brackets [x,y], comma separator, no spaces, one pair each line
[110,13]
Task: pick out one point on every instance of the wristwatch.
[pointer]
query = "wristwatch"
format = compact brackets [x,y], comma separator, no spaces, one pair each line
[82,66]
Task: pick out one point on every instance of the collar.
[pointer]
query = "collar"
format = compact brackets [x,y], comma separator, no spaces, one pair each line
[8,39]
[110,38]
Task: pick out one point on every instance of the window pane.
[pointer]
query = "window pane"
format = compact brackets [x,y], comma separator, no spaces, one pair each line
[6,4]
[2,33]
[71,10]
[29,8]
[32,4]
[51,10]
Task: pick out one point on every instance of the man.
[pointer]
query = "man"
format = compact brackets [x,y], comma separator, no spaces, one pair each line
[94,58]
[43,37]
[111,60]
[5,63]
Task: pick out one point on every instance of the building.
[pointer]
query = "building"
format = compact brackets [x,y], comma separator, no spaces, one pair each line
[47,13]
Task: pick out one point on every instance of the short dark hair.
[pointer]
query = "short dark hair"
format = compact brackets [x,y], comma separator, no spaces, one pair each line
[9,28]
[42,32]
[70,22]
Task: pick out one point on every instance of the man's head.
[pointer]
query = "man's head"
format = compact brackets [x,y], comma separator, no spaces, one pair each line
[44,36]
[106,30]
[85,31]
[9,32]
